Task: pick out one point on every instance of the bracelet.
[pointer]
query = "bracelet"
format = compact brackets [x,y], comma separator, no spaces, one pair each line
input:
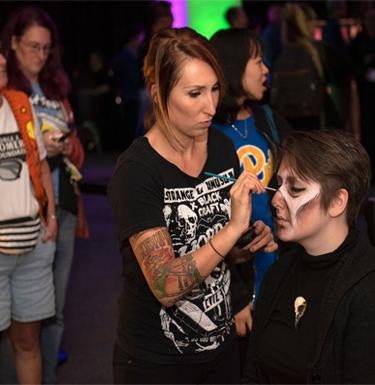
[214,249]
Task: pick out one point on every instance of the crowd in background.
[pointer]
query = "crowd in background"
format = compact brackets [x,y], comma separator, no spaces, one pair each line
[316,77]
[339,62]
[107,75]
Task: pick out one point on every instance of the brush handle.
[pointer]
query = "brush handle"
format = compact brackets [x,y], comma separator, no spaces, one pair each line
[246,237]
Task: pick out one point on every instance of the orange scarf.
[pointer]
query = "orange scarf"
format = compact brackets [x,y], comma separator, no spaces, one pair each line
[20,105]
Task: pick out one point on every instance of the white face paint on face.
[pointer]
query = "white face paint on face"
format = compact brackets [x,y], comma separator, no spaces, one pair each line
[297,199]
[297,204]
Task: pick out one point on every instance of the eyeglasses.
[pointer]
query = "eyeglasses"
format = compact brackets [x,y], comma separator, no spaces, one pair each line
[10,169]
[34,48]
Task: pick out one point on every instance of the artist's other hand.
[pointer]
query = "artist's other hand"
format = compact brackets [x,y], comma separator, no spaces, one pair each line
[244,320]
[264,239]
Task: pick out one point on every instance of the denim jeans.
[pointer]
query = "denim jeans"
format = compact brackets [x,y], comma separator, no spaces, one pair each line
[39,264]
[53,328]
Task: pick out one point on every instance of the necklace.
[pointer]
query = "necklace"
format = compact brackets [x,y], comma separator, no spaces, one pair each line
[243,134]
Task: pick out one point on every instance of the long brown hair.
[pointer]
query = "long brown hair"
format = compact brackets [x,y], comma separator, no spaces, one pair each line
[52,78]
[295,31]
[167,52]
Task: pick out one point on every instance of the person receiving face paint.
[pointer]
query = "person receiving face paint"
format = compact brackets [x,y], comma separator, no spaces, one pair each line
[178,226]
[315,316]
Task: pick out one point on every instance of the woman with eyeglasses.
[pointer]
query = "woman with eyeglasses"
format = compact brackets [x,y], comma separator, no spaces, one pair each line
[28,231]
[31,45]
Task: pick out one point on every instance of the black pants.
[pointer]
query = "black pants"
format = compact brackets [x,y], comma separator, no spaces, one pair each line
[225,369]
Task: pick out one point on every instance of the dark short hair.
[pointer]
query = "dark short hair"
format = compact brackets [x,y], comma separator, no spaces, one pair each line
[334,159]
[234,46]
[52,78]
[168,51]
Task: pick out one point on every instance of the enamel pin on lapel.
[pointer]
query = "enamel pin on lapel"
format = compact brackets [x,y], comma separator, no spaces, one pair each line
[300,306]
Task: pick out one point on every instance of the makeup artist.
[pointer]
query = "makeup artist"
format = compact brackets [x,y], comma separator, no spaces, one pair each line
[315,315]
[177,226]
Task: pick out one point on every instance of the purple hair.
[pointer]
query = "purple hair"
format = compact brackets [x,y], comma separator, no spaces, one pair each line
[52,78]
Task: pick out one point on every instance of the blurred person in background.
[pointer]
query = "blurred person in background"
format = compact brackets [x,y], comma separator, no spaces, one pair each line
[159,17]
[92,82]
[347,90]
[28,228]
[31,45]
[128,83]
[271,35]
[332,35]
[237,17]
[298,77]
[363,57]
[332,103]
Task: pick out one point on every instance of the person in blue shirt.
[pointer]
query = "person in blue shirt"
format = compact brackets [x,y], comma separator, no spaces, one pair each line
[256,132]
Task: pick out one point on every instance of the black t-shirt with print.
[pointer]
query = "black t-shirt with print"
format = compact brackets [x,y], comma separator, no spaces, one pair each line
[148,191]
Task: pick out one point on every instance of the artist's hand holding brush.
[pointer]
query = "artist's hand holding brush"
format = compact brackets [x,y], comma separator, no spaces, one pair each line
[261,236]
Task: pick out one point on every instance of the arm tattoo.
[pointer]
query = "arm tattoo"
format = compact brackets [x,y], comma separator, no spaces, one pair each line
[168,276]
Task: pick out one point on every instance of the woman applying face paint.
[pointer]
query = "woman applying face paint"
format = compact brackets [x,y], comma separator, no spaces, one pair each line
[176,224]
[315,315]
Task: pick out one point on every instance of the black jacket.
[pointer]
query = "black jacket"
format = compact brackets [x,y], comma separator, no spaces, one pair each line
[345,346]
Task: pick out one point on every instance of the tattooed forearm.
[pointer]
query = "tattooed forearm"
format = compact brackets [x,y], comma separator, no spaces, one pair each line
[178,277]
[168,276]
[157,240]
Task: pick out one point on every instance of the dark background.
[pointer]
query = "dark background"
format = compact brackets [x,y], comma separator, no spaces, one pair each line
[99,25]
[86,25]
[95,284]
